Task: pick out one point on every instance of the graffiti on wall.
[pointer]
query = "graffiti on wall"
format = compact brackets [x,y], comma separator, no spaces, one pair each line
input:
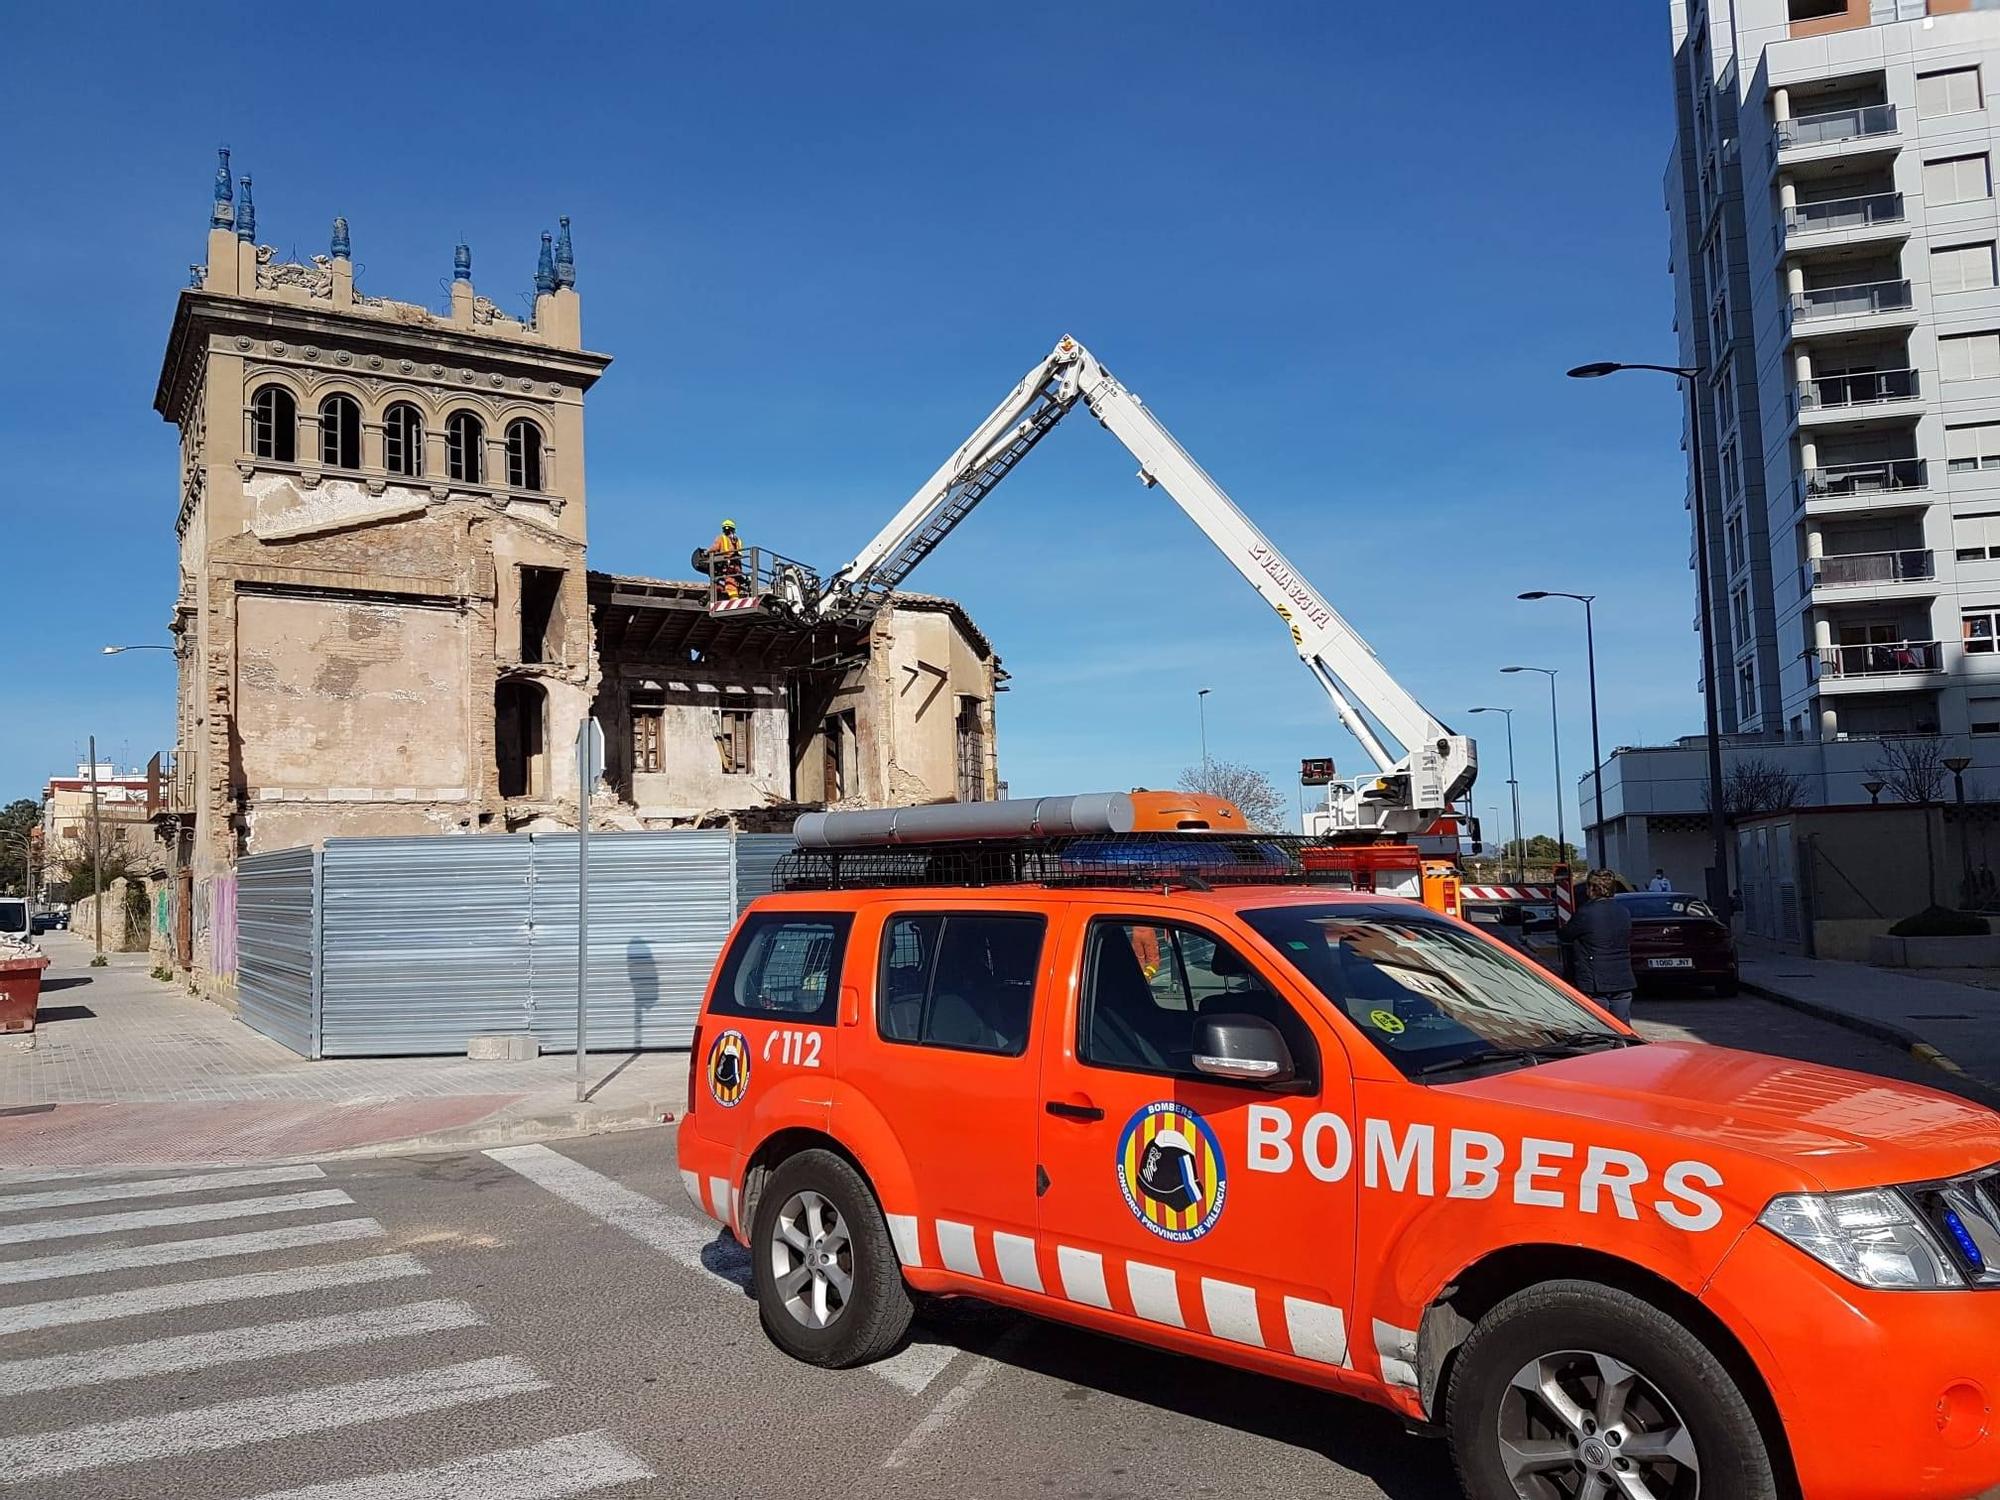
[215,923]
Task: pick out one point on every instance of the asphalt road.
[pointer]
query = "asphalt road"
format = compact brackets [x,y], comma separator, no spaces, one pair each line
[556,1320]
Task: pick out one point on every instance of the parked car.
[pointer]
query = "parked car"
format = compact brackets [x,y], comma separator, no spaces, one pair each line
[49,918]
[1679,943]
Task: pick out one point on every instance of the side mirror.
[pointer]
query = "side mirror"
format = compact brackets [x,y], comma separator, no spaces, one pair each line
[1245,1049]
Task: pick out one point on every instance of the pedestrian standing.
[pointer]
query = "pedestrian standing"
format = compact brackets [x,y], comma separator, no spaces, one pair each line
[1660,882]
[1599,938]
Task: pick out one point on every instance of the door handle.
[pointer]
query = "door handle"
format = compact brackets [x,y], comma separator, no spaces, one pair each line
[1063,1109]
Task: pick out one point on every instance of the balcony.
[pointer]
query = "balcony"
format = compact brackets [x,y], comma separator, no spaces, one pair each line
[1880,659]
[1860,388]
[1864,122]
[1832,215]
[1876,476]
[1852,570]
[1868,299]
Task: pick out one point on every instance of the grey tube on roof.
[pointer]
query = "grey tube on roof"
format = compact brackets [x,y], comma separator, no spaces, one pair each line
[1019,817]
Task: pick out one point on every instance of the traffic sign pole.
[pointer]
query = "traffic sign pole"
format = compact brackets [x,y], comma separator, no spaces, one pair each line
[589,766]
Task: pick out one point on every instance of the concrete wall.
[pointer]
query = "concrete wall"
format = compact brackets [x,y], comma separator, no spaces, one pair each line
[692,779]
[127,929]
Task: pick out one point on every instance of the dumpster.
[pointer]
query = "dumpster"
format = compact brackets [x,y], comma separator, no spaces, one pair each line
[20,992]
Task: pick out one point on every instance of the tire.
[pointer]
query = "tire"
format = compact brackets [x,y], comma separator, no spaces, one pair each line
[1574,1327]
[870,1317]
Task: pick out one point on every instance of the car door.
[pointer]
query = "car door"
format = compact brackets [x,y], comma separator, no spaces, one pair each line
[948,1062]
[1159,1206]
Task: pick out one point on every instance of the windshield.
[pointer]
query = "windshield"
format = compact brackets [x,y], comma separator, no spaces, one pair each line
[1650,908]
[13,916]
[1430,997]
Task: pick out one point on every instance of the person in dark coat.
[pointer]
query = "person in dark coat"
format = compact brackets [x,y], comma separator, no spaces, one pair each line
[1599,940]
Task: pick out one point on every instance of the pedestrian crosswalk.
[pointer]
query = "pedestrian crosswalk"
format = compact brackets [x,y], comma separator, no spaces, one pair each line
[87,1263]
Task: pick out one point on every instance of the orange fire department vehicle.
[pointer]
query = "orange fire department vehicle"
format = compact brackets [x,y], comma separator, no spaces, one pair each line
[1337,1138]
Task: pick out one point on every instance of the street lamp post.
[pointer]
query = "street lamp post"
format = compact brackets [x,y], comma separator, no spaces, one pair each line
[1555,740]
[1718,822]
[1201,708]
[1596,750]
[1957,764]
[1514,792]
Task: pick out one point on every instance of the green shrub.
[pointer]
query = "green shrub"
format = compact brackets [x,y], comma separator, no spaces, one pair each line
[1941,921]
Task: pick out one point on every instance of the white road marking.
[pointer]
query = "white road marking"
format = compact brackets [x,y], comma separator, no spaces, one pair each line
[1014,1256]
[1082,1274]
[1154,1295]
[1317,1331]
[958,1248]
[1231,1311]
[951,1404]
[547,1471]
[261,1419]
[154,1187]
[682,1240]
[229,1346]
[185,1213]
[105,1306]
[903,1230]
[177,1252]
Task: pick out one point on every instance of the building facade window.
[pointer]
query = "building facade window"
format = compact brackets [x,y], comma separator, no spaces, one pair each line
[340,432]
[1956,179]
[1983,715]
[274,425]
[1969,356]
[1953,93]
[1962,268]
[403,440]
[1746,691]
[647,727]
[465,448]
[732,740]
[1974,446]
[524,455]
[1981,628]
[1976,538]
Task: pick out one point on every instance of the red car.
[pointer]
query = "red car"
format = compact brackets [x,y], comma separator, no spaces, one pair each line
[1678,942]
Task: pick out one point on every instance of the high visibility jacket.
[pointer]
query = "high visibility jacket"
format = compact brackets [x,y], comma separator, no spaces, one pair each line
[726,545]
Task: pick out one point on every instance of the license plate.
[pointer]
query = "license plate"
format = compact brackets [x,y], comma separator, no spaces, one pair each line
[1670,963]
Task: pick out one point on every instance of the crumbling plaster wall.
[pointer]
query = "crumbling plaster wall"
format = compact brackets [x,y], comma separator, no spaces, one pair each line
[693,779]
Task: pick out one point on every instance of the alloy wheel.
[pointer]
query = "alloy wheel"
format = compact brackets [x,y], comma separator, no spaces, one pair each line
[812,1259]
[1579,1425]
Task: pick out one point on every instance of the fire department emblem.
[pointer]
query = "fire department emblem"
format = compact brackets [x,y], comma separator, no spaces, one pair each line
[729,1069]
[1171,1172]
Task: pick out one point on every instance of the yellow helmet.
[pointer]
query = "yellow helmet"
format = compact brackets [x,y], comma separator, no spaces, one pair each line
[727,524]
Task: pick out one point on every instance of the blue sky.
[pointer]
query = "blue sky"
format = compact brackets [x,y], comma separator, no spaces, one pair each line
[1345,257]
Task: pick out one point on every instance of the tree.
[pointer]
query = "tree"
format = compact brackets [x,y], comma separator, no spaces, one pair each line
[18,821]
[1911,768]
[1755,785]
[1542,850]
[1254,793]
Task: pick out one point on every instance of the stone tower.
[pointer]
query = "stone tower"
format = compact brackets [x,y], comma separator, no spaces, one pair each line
[381,625]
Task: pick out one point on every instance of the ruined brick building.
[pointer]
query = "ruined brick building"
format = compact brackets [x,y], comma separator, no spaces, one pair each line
[385,625]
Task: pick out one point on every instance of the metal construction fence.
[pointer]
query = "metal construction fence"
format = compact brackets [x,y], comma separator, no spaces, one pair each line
[410,946]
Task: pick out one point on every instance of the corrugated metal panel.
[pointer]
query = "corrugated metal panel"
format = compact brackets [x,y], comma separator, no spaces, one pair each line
[660,906]
[274,946]
[757,856]
[426,943]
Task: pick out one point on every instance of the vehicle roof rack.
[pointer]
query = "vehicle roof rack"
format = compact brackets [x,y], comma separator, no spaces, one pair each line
[1195,861]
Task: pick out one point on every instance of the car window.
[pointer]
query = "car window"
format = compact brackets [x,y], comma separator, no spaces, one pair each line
[960,979]
[1647,907]
[1147,985]
[1424,991]
[14,916]
[784,965]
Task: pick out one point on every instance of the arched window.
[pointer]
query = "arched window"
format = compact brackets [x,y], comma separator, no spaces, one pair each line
[465,448]
[274,425]
[340,432]
[524,455]
[403,440]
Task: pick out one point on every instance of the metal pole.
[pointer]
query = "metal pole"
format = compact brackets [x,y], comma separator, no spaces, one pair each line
[1555,738]
[1596,752]
[1718,821]
[1201,707]
[1514,790]
[96,859]
[583,778]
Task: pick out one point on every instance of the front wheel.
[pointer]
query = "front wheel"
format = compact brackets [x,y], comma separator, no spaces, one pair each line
[1575,1391]
[829,1287]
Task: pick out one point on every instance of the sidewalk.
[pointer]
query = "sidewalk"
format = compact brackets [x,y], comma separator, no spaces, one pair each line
[1954,1026]
[130,1070]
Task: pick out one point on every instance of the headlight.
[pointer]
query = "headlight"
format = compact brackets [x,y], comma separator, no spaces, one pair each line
[1874,1238]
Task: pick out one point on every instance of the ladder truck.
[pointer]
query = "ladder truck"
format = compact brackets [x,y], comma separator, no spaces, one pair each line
[1422,769]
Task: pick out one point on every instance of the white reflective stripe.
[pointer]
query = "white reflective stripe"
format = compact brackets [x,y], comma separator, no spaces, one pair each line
[1231,1311]
[1397,1349]
[106,1306]
[1317,1331]
[201,1351]
[1082,1273]
[261,1419]
[1154,1295]
[547,1471]
[691,1184]
[719,1197]
[110,1192]
[178,1252]
[1014,1258]
[185,1213]
[958,1248]
[903,1230]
